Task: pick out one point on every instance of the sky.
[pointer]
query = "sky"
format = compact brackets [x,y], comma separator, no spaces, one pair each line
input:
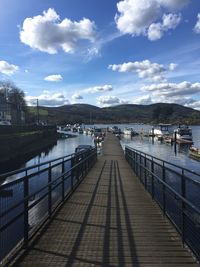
[102,52]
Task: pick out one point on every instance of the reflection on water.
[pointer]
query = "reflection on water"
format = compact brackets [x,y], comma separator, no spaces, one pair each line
[178,154]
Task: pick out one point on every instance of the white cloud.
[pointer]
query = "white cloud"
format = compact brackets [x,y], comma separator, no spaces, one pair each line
[77,97]
[172,66]
[108,100]
[155,31]
[136,15]
[173,4]
[48,99]
[192,103]
[143,100]
[99,89]
[141,17]
[54,78]
[144,69]
[169,21]
[7,68]
[197,25]
[173,89]
[48,33]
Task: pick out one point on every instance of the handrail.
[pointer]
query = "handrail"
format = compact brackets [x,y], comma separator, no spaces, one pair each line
[170,163]
[67,177]
[177,199]
[5,175]
[171,189]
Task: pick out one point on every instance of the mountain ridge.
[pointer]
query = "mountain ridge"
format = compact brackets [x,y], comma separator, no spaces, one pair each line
[125,113]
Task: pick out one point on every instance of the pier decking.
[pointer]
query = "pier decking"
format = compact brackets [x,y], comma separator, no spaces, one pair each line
[110,220]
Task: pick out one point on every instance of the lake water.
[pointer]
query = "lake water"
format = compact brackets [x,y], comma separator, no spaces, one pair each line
[178,154]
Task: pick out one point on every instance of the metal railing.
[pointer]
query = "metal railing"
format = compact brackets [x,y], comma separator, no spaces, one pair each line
[175,189]
[30,196]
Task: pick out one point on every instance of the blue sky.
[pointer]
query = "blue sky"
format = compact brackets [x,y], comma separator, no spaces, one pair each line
[102,52]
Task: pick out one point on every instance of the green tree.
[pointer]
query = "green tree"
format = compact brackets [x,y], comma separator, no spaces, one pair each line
[15,97]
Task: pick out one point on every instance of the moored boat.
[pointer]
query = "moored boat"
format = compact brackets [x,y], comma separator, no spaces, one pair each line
[161,130]
[130,132]
[194,152]
[183,132]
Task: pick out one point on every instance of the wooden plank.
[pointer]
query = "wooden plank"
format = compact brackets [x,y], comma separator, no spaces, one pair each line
[110,220]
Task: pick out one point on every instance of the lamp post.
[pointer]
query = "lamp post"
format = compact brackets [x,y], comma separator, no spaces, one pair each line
[38,115]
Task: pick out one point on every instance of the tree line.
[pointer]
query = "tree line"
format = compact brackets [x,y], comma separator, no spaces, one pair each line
[14,98]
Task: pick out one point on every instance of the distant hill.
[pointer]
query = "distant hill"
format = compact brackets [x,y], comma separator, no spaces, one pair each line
[83,113]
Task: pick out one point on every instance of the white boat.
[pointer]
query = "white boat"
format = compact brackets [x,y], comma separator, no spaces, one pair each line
[80,130]
[161,130]
[183,132]
[129,131]
[194,152]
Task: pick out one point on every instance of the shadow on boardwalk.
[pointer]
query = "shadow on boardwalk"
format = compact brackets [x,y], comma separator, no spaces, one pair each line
[109,221]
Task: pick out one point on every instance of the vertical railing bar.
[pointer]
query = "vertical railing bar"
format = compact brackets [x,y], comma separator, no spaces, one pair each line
[152,178]
[183,193]
[145,172]
[163,188]
[63,181]
[26,219]
[49,191]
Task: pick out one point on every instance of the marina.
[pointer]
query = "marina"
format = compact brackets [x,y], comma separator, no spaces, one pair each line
[104,221]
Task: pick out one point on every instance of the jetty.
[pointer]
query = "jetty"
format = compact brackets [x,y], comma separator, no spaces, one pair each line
[109,220]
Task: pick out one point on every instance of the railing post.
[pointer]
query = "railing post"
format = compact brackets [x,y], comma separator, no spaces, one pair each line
[152,178]
[63,180]
[163,189]
[145,171]
[49,191]
[183,193]
[26,221]
[131,159]
[140,167]
[135,165]
[73,163]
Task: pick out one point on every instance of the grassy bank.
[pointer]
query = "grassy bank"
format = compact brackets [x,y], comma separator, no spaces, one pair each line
[22,144]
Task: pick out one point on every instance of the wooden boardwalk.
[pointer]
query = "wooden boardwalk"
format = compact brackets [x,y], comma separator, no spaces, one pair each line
[110,220]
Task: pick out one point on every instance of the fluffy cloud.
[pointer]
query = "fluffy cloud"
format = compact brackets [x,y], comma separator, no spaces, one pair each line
[169,21]
[99,89]
[7,68]
[172,66]
[197,25]
[179,93]
[192,103]
[141,17]
[110,100]
[144,69]
[143,100]
[173,4]
[48,33]
[77,97]
[54,78]
[173,89]
[48,99]
[155,31]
